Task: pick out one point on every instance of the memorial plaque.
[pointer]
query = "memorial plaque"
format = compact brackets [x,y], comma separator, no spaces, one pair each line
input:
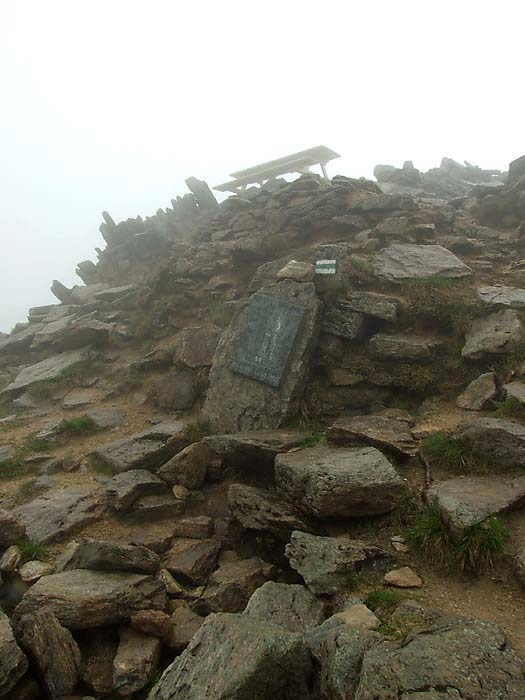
[267,339]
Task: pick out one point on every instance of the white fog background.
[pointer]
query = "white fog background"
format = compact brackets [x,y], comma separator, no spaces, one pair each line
[111,104]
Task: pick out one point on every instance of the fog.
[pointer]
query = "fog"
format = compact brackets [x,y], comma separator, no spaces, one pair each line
[112,104]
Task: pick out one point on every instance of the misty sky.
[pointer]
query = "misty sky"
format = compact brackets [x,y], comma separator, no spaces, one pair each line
[111,104]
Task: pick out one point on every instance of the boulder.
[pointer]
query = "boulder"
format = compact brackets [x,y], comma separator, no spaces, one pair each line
[52,649]
[186,623]
[515,390]
[455,658]
[199,527]
[55,515]
[46,370]
[494,334]
[20,341]
[31,571]
[13,663]
[402,346]
[466,501]
[296,270]
[125,488]
[341,320]
[479,394]
[290,606]
[193,560]
[401,262]
[153,623]
[166,505]
[375,305]
[82,599]
[10,560]
[112,293]
[104,418]
[188,467]
[262,510]
[229,587]
[338,482]
[11,529]
[198,345]
[358,616]
[501,441]
[175,391]
[328,563]
[405,577]
[237,402]
[262,661]
[101,555]
[86,294]
[503,296]
[385,432]
[258,447]
[136,661]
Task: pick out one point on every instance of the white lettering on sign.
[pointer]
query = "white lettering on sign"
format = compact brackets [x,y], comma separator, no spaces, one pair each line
[325,267]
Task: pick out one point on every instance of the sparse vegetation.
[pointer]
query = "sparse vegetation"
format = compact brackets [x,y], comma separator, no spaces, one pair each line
[28,490]
[399,626]
[69,377]
[99,466]
[313,438]
[384,598]
[33,550]
[15,467]
[34,444]
[407,509]
[446,451]
[81,425]
[221,314]
[430,536]
[197,431]
[510,408]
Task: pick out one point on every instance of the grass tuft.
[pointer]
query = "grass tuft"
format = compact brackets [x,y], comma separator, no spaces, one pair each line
[446,451]
[313,438]
[510,408]
[198,430]
[82,425]
[33,550]
[384,598]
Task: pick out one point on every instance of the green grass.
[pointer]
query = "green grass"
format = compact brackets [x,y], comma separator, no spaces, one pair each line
[510,408]
[198,430]
[28,490]
[407,509]
[446,451]
[15,467]
[313,438]
[33,550]
[385,598]
[430,536]
[400,626]
[33,444]
[82,425]
[357,580]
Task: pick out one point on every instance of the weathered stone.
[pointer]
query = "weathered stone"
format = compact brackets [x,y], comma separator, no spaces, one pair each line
[406,261]
[99,648]
[78,397]
[13,663]
[10,560]
[338,482]
[112,293]
[501,441]
[515,390]
[57,514]
[198,527]
[19,342]
[342,377]
[101,555]
[327,563]
[7,452]
[466,659]
[229,587]
[186,623]
[385,432]
[125,488]
[401,346]
[494,334]
[404,577]
[258,447]
[258,509]
[86,294]
[375,305]
[11,529]
[503,296]
[236,402]
[82,599]
[104,418]
[161,506]
[519,565]
[296,270]
[188,467]
[175,391]
[262,661]
[31,571]
[193,560]
[341,320]
[153,623]
[292,606]
[198,345]
[479,393]
[466,501]
[48,369]
[358,616]
[53,650]
[136,661]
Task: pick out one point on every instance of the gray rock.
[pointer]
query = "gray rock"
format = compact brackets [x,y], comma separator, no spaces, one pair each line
[53,650]
[328,563]
[519,565]
[338,482]
[136,661]
[375,305]
[501,441]
[229,587]
[193,560]
[402,346]
[82,599]
[31,571]
[199,527]
[175,391]
[341,320]
[466,501]
[51,368]
[291,606]
[479,394]
[104,418]
[20,341]
[113,293]
[188,467]
[157,507]
[11,529]
[385,432]
[261,510]
[465,659]
[13,663]
[515,390]
[503,296]
[258,447]
[406,261]
[125,488]
[494,334]
[101,555]
[198,345]
[55,515]
[7,452]
[186,623]
[10,560]
[236,402]
[78,397]
[262,661]
[86,294]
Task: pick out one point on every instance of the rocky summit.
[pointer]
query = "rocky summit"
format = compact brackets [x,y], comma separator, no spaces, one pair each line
[274,447]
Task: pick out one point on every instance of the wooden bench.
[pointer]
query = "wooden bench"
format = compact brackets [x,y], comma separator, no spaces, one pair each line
[300,162]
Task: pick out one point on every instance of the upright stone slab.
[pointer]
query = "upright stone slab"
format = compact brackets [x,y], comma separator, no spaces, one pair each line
[261,363]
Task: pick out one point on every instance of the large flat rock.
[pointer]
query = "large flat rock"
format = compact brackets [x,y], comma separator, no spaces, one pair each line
[237,402]
[466,501]
[501,441]
[291,606]
[57,514]
[500,295]
[494,334]
[81,599]
[51,368]
[403,346]
[407,261]
[338,482]
[254,447]
[390,433]
[234,657]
